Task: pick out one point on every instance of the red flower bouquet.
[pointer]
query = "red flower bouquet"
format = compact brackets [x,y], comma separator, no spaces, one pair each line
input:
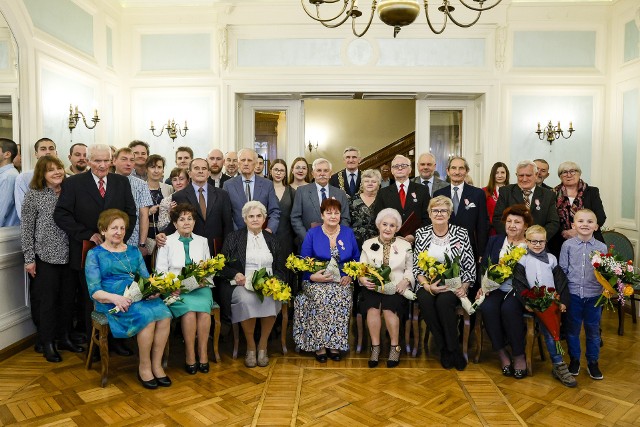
[545,304]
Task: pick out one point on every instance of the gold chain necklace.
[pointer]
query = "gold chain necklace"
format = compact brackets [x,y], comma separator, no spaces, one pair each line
[128,270]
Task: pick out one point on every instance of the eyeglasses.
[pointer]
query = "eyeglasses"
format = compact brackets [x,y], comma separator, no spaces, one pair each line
[537,242]
[402,166]
[274,170]
[439,211]
[569,172]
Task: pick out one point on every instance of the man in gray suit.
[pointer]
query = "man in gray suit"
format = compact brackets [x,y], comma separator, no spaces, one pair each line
[306,204]
[248,186]
[426,168]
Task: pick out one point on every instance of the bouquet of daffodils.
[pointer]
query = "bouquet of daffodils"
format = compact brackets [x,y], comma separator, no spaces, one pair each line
[267,285]
[378,275]
[497,274]
[616,276]
[298,264]
[448,272]
[201,274]
[155,284]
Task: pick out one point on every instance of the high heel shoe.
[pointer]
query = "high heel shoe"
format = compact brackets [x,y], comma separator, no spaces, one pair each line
[335,355]
[375,355]
[151,384]
[191,369]
[394,356]
[203,367]
[321,357]
[163,381]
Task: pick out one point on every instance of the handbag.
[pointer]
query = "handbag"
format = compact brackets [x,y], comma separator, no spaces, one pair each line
[150,243]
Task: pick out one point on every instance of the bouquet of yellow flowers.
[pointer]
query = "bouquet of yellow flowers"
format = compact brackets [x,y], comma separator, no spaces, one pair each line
[200,274]
[448,272]
[378,275]
[298,264]
[498,273]
[144,288]
[267,285]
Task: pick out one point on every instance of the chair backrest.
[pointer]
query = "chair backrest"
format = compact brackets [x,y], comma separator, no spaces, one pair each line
[621,243]
[86,246]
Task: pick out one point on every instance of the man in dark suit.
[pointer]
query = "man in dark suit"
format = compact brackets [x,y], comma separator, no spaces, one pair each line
[416,196]
[348,179]
[216,161]
[541,202]
[426,169]
[543,173]
[469,205]
[305,213]
[248,186]
[212,205]
[82,198]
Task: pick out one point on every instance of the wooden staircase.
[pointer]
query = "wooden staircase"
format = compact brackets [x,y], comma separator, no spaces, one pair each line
[405,146]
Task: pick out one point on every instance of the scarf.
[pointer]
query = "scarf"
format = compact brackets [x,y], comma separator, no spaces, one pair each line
[566,209]
[185,242]
[542,256]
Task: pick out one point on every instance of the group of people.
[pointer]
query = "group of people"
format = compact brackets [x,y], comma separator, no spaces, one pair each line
[225,204]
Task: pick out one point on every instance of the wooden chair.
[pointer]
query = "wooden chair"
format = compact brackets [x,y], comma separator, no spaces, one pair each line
[625,248]
[99,337]
[531,335]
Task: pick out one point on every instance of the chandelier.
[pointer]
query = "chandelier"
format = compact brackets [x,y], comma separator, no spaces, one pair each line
[551,132]
[396,13]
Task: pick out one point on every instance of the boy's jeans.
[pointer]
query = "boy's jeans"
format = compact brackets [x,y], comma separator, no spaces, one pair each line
[581,311]
[551,345]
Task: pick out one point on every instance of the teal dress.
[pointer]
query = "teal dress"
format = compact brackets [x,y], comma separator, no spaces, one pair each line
[109,272]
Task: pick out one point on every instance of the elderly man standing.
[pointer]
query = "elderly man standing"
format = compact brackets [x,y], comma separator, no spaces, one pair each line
[426,169]
[231,164]
[247,187]
[305,213]
[543,173]
[216,162]
[8,174]
[77,159]
[405,196]
[348,179]
[82,198]
[540,201]
[43,147]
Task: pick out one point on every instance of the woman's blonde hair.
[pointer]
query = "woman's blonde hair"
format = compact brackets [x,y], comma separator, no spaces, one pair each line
[441,201]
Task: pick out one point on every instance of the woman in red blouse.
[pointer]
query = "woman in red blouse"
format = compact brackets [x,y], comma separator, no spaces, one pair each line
[499,177]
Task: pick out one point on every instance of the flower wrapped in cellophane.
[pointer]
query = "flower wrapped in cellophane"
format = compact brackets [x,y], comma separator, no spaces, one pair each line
[155,284]
[498,273]
[265,284]
[298,264]
[201,274]
[616,276]
[545,304]
[378,275]
[447,272]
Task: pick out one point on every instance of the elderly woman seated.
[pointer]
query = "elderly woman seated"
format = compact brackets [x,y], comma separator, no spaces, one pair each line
[183,248]
[109,269]
[248,250]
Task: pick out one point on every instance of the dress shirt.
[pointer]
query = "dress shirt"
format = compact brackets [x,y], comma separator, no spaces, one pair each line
[142,199]
[196,188]
[21,189]
[460,190]
[8,214]
[406,186]
[96,179]
[319,188]
[576,264]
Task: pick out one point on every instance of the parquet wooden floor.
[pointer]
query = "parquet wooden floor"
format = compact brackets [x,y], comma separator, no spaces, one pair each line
[297,391]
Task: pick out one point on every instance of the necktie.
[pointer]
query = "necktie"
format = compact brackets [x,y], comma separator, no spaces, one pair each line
[101,187]
[526,194]
[428,184]
[247,189]
[203,203]
[324,193]
[352,184]
[456,200]
[403,195]
[185,243]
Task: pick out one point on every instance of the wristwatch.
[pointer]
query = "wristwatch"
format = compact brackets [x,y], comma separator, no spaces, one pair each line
[142,245]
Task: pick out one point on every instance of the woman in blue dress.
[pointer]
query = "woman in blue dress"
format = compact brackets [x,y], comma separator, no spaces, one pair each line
[321,310]
[183,248]
[109,269]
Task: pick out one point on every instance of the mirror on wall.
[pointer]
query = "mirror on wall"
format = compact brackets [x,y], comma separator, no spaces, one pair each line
[8,105]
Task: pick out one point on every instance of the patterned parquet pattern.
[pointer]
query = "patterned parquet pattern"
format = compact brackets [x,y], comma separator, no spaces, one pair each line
[297,391]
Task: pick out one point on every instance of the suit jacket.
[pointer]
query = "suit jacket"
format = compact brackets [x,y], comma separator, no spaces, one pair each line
[472,215]
[388,197]
[437,183]
[306,208]
[223,178]
[336,182]
[263,192]
[80,204]
[543,208]
[218,223]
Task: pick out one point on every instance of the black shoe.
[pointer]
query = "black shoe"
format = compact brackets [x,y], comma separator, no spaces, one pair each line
[519,373]
[375,355]
[119,348]
[507,370]
[459,361]
[335,356]
[50,353]
[151,384]
[191,369]
[203,367]
[78,337]
[322,358]
[594,371]
[163,381]
[67,344]
[446,359]
[38,347]
[574,367]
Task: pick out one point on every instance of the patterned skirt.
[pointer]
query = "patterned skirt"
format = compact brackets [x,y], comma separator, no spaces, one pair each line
[321,316]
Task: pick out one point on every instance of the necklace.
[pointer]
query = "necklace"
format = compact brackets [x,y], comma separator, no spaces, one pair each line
[441,240]
[331,235]
[437,235]
[128,270]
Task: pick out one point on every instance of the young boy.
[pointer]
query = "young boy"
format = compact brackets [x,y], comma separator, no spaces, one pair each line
[542,267]
[584,290]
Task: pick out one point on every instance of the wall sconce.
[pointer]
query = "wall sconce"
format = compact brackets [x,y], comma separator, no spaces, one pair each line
[310,146]
[173,130]
[551,133]
[74,118]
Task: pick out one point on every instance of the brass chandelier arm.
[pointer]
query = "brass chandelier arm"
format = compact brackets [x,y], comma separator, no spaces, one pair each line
[426,12]
[353,22]
[460,24]
[481,8]
[317,17]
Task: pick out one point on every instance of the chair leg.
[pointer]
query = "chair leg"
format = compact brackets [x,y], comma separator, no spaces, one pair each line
[543,356]
[216,333]
[104,354]
[529,344]
[424,337]
[407,334]
[466,331]
[634,315]
[285,327]
[360,332]
[92,338]
[236,339]
[165,355]
[620,320]
[478,333]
